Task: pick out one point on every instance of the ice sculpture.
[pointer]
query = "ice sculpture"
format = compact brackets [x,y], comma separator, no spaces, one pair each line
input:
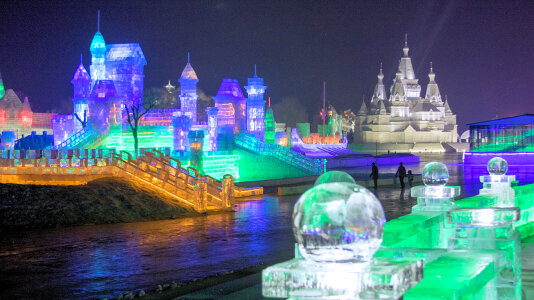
[434,195]
[256,107]
[188,92]
[499,184]
[491,229]
[338,228]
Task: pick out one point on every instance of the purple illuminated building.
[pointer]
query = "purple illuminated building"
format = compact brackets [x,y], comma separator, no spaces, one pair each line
[100,98]
[188,92]
[256,107]
[231,118]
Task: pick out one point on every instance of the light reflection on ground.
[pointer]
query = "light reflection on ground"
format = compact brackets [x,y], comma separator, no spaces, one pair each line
[103,260]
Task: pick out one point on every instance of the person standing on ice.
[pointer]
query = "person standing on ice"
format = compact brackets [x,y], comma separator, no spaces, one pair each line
[374,175]
[401,173]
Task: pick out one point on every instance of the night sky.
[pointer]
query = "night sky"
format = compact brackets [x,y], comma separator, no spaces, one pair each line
[483,53]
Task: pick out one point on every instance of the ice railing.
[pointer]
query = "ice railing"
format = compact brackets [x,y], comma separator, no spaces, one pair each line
[287,156]
[76,138]
[154,168]
[471,248]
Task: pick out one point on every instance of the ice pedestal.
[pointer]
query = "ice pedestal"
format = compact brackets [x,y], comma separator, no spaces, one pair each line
[499,184]
[338,227]
[383,278]
[491,229]
[435,197]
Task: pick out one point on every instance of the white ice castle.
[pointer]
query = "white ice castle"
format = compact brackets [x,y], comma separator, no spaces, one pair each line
[405,117]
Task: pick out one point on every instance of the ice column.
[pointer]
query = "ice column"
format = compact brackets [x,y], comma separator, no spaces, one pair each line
[435,197]
[499,184]
[491,229]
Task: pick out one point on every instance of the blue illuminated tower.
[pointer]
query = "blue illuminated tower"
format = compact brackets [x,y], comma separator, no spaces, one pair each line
[256,106]
[98,56]
[81,84]
[188,92]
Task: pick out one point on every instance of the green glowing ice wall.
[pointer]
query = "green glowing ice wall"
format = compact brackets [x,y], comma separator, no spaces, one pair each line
[121,138]
[458,274]
[217,166]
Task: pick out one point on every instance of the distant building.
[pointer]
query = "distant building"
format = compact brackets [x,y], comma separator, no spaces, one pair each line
[514,134]
[405,116]
[16,116]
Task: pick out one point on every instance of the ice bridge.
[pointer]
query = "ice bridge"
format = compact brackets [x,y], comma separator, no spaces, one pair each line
[154,169]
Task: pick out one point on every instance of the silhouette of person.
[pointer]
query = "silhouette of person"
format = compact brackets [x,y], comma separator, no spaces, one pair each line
[401,173]
[374,175]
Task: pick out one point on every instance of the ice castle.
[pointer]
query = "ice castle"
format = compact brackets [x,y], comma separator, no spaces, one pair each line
[405,117]
[115,82]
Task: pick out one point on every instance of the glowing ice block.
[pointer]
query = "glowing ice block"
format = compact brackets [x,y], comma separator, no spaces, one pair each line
[491,229]
[338,228]
[499,184]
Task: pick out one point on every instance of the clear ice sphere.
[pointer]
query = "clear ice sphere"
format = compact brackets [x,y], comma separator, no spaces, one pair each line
[338,222]
[497,166]
[435,174]
[334,176]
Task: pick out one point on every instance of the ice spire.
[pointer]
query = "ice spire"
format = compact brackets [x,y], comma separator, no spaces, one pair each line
[188,92]
[255,75]
[98,53]
[405,64]
[81,73]
[380,89]
[405,49]
[188,72]
[363,108]
[432,89]
[447,107]
[397,92]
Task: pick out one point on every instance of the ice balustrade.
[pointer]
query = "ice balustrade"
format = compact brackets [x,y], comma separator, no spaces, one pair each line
[87,137]
[155,169]
[480,258]
[285,155]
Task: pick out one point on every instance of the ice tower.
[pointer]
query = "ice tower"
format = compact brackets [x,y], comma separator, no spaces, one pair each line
[256,106]
[98,56]
[125,66]
[270,125]
[231,119]
[188,92]
[81,84]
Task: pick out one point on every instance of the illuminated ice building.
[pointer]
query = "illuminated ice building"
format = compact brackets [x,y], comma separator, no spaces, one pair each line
[17,118]
[404,117]
[115,81]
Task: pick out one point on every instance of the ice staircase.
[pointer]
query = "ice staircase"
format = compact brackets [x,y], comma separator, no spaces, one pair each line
[336,150]
[283,154]
[85,138]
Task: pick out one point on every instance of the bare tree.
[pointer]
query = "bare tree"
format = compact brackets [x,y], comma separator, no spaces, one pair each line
[134,113]
[84,122]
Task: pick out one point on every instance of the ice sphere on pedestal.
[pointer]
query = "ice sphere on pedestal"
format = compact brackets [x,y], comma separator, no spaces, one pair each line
[498,184]
[334,176]
[338,222]
[435,174]
[338,227]
[497,166]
